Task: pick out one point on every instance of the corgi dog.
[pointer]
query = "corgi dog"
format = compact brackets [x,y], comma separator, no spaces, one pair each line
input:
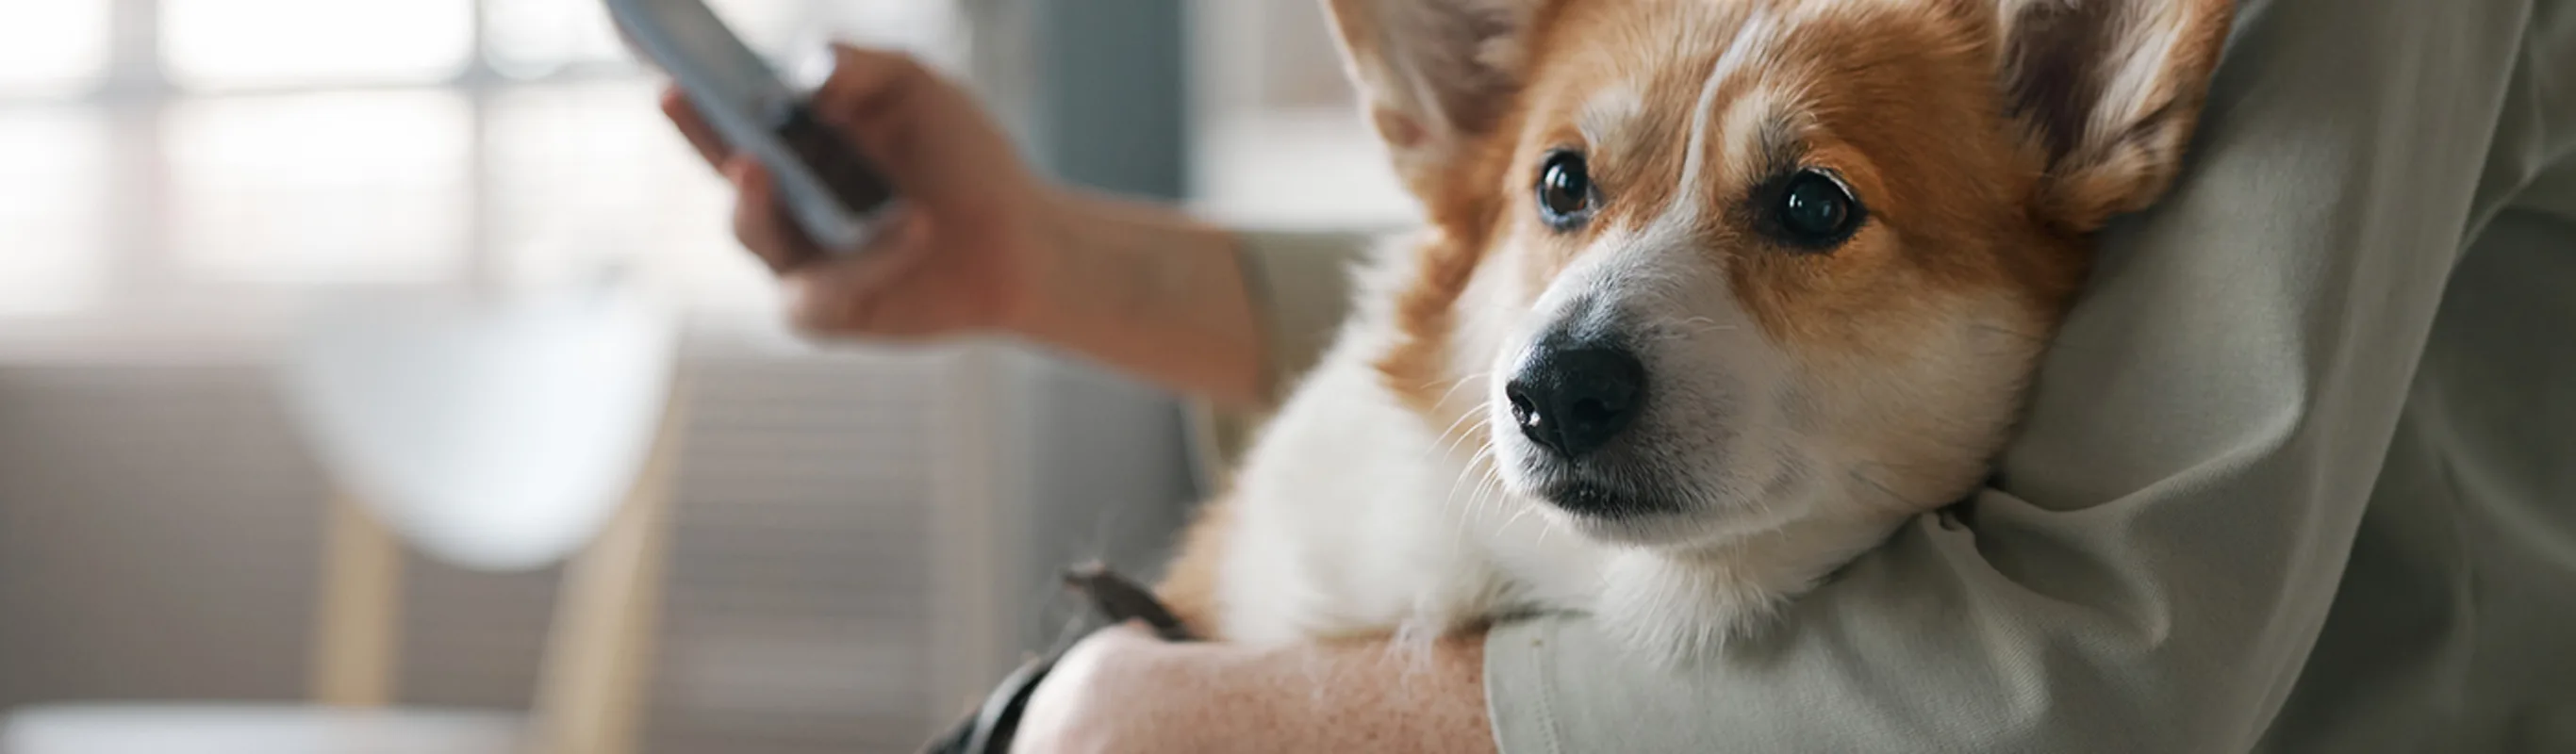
[1712,296]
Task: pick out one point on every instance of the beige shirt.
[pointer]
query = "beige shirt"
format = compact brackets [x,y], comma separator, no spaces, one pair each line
[2300,473]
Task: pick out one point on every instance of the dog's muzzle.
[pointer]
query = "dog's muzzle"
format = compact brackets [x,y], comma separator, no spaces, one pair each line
[1572,396]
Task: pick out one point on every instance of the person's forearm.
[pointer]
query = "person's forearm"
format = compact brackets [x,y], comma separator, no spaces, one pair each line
[1124,690]
[1149,290]
[1359,696]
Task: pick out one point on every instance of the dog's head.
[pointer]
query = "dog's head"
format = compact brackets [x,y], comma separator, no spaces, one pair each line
[1721,265]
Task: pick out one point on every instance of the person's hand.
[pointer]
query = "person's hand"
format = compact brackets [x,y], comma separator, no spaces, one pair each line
[964,251]
[981,243]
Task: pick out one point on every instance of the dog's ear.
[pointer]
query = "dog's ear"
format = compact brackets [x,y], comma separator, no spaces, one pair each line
[2110,91]
[1433,74]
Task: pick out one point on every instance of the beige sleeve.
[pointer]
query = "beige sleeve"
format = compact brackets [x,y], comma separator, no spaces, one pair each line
[1300,287]
[2227,446]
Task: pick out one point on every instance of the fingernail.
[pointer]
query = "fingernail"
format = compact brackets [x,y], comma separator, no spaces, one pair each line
[809,69]
[799,297]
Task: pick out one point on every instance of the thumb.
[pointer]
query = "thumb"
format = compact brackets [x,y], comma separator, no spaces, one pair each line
[849,294]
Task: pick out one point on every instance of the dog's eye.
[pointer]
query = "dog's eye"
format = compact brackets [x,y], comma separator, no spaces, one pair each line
[1564,190]
[1815,210]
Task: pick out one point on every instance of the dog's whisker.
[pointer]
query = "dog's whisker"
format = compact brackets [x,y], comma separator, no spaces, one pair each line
[1516,519]
[1463,417]
[1480,499]
[1450,500]
[2037,338]
[1491,495]
[1473,418]
[1857,476]
[1459,383]
[1464,513]
[1998,329]
[1487,480]
[1491,485]
[1472,421]
[1685,327]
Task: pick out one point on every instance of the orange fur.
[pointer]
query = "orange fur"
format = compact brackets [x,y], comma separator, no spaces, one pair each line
[1189,586]
[1986,137]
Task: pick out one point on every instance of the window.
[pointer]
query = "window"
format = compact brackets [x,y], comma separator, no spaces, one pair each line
[52,206]
[228,44]
[1280,139]
[371,185]
[228,148]
[534,38]
[52,46]
[578,184]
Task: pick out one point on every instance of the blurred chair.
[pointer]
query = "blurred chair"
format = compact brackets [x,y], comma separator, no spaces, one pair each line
[496,435]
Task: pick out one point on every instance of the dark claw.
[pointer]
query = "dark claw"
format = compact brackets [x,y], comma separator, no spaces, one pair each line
[1120,600]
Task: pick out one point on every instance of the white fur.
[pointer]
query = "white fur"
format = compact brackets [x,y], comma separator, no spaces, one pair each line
[1356,514]
[1338,528]
[1355,517]
[1749,42]
[1606,117]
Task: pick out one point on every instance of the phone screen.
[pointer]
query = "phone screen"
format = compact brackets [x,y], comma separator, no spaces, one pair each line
[830,191]
[725,67]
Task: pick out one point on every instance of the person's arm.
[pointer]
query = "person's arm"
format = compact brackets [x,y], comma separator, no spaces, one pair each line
[1122,690]
[985,245]
[2166,534]
[2159,553]
[1152,291]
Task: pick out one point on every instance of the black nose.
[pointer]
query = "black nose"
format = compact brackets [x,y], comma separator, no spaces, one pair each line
[1573,400]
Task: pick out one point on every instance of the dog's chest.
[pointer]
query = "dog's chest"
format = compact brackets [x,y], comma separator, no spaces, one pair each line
[1355,517]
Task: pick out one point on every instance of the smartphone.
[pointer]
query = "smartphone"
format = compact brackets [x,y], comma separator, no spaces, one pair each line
[829,190]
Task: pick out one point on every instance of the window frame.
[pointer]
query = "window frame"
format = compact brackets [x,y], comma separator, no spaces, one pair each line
[141,274]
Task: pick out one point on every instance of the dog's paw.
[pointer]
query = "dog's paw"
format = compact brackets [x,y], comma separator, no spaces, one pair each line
[1678,613]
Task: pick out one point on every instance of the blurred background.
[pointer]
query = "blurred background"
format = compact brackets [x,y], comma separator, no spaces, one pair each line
[858,538]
